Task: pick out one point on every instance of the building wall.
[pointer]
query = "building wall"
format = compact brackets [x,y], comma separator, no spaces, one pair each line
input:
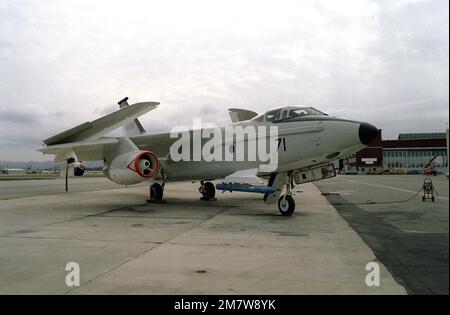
[407,155]
[413,160]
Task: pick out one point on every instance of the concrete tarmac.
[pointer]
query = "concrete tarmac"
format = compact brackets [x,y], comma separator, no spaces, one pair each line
[235,245]
[12,189]
[411,238]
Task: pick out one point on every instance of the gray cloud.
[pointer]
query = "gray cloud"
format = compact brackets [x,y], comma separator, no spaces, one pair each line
[381,61]
[16,117]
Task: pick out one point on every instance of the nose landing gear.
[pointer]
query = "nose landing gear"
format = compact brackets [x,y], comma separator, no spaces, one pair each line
[286,204]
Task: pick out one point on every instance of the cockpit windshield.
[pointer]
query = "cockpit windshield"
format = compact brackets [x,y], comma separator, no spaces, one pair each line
[290,113]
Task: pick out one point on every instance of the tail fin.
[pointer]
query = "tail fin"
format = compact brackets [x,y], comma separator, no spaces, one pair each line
[237,114]
[131,127]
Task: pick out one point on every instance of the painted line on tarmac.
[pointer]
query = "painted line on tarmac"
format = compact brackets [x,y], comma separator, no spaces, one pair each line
[392,188]
[421,232]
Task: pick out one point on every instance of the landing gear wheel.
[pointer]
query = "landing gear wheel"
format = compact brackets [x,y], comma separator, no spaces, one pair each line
[156,192]
[208,191]
[286,205]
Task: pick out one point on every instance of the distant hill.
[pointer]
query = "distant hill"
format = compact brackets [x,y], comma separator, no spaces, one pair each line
[44,165]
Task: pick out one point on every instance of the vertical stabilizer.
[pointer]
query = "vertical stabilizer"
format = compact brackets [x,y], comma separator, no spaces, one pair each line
[131,127]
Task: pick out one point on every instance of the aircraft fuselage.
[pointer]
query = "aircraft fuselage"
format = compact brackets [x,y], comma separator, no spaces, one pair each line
[300,144]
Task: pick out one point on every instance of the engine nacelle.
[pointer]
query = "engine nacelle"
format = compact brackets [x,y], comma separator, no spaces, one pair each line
[132,167]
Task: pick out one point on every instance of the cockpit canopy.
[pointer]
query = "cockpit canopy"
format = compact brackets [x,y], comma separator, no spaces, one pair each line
[288,114]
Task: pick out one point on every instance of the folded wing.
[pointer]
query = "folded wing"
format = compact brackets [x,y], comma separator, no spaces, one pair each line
[97,128]
[86,141]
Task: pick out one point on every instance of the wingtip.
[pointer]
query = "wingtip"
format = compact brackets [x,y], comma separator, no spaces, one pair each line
[147,104]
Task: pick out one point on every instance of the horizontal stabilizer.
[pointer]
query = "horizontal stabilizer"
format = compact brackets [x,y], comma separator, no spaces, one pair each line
[97,128]
[237,114]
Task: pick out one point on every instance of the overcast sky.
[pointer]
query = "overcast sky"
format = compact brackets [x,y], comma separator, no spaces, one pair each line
[65,62]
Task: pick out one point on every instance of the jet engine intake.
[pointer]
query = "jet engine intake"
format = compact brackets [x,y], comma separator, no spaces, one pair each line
[133,167]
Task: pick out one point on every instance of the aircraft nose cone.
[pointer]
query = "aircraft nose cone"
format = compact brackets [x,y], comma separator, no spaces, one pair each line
[367,133]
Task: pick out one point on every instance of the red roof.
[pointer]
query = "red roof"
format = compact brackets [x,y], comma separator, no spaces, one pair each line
[418,143]
[424,143]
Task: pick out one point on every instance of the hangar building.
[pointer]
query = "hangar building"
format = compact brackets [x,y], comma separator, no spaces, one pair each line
[408,154]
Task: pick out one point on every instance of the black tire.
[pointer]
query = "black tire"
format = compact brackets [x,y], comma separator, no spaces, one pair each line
[286,205]
[156,192]
[209,191]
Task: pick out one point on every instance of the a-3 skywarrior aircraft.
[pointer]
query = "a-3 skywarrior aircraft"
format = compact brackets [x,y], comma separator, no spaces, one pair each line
[307,143]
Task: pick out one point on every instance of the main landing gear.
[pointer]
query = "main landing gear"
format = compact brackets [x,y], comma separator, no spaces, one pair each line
[156,192]
[286,204]
[208,191]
